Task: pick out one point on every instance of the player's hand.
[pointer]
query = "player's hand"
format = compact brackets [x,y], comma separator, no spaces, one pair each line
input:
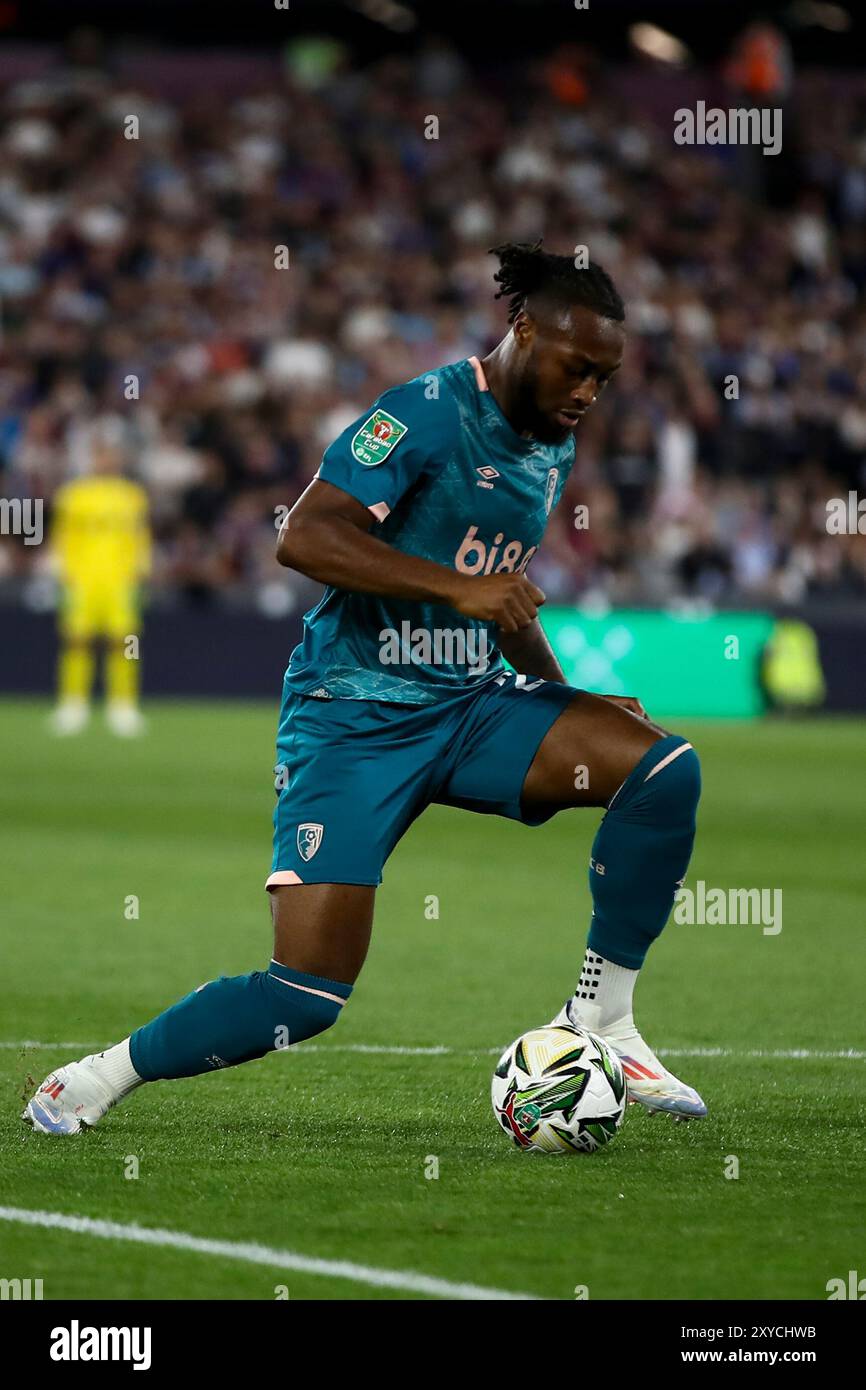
[510,600]
[628,702]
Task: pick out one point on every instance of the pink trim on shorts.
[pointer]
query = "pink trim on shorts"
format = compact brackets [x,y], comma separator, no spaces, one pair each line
[283,876]
[380,510]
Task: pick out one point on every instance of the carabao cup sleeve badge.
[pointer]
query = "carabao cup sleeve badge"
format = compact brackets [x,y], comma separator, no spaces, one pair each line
[377,437]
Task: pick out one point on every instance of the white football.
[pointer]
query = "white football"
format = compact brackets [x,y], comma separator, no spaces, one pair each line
[559,1089]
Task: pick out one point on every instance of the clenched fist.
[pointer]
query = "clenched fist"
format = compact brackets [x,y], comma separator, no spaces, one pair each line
[510,600]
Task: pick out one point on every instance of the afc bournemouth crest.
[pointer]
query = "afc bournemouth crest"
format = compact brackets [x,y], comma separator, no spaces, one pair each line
[309,839]
[550,491]
[376,438]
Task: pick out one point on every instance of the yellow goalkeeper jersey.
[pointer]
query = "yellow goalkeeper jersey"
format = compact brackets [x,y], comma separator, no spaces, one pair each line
[101,532]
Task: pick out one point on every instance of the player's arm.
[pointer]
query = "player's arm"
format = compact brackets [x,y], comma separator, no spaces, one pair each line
[530,653]
[326,537]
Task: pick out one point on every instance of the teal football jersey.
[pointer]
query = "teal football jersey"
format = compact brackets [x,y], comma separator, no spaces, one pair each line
[447,479]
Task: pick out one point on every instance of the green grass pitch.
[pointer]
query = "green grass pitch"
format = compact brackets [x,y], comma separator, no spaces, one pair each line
[323,1150]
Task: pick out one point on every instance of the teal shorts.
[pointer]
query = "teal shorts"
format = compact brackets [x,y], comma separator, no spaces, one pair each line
[352,775]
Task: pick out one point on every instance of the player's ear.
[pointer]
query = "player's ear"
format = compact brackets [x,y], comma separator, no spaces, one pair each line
[523,328]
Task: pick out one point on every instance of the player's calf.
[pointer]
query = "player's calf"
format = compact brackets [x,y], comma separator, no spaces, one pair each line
[639,858]
[233,1020]
[641,851]
[220,1024]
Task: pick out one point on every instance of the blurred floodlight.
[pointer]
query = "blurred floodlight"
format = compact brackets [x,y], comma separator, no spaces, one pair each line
[276,600]
[658,43]
[820,15]
[31,138]
[388,13]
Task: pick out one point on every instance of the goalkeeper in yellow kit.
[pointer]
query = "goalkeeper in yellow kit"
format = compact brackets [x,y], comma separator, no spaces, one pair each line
[101,540]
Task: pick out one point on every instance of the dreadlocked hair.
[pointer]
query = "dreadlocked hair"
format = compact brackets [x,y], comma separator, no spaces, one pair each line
[526,270]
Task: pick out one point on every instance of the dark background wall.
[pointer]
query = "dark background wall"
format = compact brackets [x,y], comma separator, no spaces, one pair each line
[225,653]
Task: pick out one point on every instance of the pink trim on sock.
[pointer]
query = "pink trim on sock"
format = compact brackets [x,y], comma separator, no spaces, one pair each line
[480,378]
[282,876]
[322,993]
[669,759]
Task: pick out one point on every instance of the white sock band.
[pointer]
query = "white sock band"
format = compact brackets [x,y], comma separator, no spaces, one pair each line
[604,993]
[114,1067]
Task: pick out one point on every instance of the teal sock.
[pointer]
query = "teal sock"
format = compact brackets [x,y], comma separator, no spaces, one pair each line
[642,851]
[234,1019]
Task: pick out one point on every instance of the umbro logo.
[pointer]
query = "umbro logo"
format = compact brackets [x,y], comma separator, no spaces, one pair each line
[486,475]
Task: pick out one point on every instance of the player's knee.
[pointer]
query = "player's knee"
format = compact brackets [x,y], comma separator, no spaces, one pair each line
[298,1008]
[692,774]
[665,786]
[675,780]
[317,1017]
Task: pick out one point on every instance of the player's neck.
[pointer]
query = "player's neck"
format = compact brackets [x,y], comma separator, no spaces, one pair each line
[498,370]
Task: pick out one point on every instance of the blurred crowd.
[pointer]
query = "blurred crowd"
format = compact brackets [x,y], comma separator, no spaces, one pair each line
[140,295]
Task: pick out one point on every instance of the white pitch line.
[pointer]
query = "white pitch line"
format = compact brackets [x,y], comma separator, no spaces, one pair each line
[779,1054]
[399,1051]
[787,1054]
[404,1280]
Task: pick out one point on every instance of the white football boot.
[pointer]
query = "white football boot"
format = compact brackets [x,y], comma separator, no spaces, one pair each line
[649,1082]
[70,1099]
[69,717]
[125,719]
